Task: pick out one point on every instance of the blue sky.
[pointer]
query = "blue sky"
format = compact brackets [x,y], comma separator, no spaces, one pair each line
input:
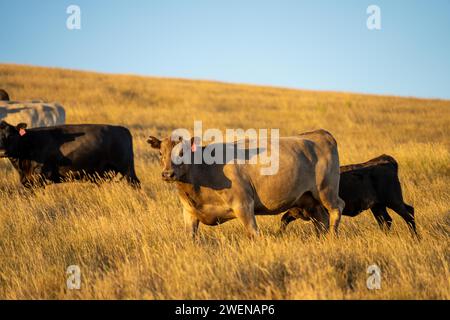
[322,44]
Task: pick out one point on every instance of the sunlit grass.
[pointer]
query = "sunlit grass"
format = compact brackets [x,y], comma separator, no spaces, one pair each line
[130,244]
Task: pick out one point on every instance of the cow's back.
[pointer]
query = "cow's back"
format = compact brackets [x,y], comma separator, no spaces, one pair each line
[34,113]
[85,145]
[383,160]
[307,162]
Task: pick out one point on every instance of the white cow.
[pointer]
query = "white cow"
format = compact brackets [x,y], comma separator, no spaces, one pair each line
[34,113]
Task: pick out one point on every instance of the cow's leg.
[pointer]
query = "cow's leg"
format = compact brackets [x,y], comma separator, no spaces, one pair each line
[190,222]
[288,217]
[245,212]
[334,205]
[134,181]
[128,171]
[382,216]
[294,214]
[131,177]
[29,185]
[33,181]
[320,220]
[407,213]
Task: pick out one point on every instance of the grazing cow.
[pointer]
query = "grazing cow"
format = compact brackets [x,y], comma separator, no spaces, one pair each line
[56,154]
[35,114]
[370,185]
[214,193]
[4,95]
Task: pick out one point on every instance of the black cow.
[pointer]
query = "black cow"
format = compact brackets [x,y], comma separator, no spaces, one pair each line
[58,154]
[370,185]
[4,95]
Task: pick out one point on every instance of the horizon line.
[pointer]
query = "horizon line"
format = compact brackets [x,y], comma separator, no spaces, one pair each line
[263,85]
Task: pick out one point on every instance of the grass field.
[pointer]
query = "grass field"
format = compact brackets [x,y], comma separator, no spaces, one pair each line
[132,244]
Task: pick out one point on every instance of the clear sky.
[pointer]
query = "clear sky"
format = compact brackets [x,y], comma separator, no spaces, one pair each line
[316,44]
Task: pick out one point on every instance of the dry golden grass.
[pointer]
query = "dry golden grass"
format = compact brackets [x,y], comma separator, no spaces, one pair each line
[131,244]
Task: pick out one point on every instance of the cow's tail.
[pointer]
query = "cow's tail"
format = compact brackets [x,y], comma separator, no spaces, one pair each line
[132,178]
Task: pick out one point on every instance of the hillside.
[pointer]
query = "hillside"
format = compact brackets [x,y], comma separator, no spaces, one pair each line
[131,244]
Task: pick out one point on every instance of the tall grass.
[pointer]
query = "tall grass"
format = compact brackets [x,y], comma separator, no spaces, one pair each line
[131,244]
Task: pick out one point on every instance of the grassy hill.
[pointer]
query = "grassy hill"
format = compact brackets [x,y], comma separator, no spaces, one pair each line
[131,244]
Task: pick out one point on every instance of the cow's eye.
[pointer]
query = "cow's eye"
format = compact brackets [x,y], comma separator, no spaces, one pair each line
[160,154]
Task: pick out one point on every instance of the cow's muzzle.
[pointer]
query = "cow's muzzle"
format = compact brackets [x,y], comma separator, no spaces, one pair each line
[168,175]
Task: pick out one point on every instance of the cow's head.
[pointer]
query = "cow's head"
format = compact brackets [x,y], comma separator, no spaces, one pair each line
[171,155]
[9,135]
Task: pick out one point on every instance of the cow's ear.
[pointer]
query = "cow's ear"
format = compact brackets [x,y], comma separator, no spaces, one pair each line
[154,142]
[22,126]
[195,141]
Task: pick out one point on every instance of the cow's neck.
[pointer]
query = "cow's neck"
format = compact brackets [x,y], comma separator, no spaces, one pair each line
[15,149]
[187,182]
[19,154]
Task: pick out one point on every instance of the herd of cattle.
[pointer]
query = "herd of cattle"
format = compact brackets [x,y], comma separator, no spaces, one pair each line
[309,185]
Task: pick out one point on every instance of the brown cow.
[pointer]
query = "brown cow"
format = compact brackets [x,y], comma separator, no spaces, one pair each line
[214,193]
